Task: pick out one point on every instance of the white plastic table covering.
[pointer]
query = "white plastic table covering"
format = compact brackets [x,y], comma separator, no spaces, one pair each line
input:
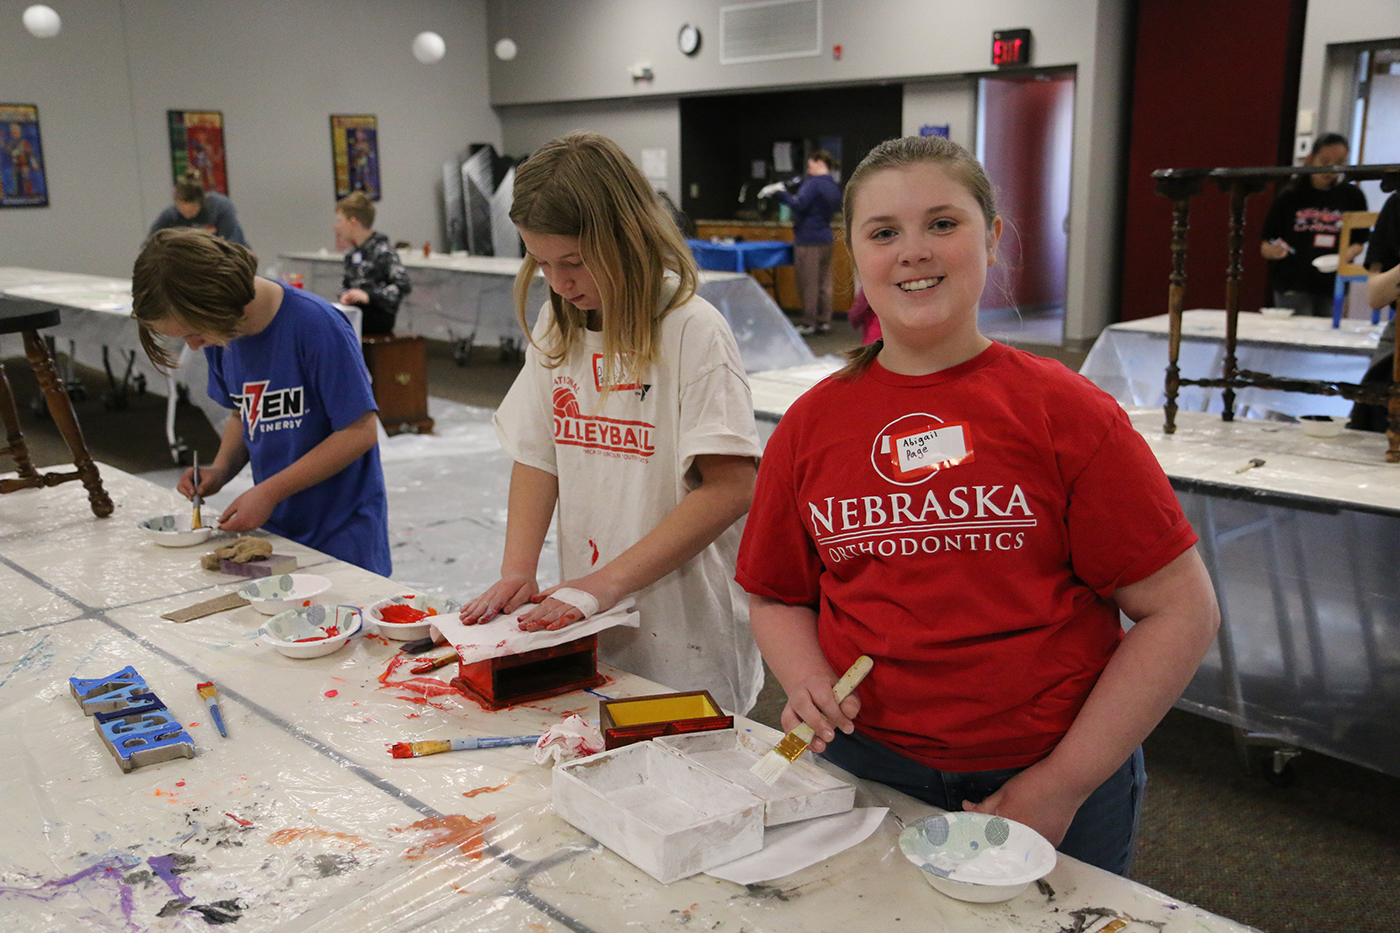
[457,298]
[1129,360]
[96,312]
[300,820]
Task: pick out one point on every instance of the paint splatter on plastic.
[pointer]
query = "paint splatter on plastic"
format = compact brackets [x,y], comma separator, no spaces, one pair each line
[454,829]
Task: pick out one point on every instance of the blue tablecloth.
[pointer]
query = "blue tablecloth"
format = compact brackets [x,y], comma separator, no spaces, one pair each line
[741,257]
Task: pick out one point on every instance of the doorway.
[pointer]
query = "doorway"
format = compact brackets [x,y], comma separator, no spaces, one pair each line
[1025,138]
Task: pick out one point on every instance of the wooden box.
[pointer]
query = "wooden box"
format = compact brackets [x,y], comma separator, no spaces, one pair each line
[802,792]
[636,719]
[664,814]
[398,370]
[544,672]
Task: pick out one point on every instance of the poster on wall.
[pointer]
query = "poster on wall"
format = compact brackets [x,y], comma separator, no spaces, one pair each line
[355,154]
[197,145]
[23,182]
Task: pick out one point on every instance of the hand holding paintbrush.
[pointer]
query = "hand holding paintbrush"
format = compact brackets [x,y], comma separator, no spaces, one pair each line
[772,765]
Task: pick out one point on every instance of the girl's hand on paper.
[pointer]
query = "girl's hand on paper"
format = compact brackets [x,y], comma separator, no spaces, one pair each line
[505,595]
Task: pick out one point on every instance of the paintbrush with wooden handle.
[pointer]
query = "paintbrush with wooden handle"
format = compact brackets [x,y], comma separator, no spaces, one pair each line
[198,499]
[772,765]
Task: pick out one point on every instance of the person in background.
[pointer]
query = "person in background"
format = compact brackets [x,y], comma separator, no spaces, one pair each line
[817,200]
[973,518]
[204,210]
[862,318]
[633,418]
[375,279]
[289,365]
[1382,289]
[1302,224]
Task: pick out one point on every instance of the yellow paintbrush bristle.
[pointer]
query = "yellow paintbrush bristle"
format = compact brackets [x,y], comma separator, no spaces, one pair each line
[772,765]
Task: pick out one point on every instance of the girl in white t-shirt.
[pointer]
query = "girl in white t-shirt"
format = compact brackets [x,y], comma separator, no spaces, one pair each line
[632,416]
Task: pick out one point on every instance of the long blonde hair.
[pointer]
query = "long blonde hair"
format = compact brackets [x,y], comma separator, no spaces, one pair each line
[583,185]
[899,153]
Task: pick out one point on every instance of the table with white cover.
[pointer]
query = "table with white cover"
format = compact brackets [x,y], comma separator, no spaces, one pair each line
[300,820]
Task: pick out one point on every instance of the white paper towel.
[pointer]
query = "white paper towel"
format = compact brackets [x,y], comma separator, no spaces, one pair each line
[502,636]
[789,848]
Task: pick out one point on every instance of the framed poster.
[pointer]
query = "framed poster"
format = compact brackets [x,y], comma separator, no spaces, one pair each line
[355,154]
[197,145]
[23,182]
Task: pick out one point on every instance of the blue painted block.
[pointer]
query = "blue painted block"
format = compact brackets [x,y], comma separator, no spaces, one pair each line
[143,738]
[147,703]
[107,694]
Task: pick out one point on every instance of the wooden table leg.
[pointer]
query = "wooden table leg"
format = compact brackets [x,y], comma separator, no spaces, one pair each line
[61,408]
[13,435]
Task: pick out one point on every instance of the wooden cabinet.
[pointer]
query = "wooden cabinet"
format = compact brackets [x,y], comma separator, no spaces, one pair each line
[781,281]
[398,370]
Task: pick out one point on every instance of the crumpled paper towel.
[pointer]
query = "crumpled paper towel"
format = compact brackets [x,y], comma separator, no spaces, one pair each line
[575,737]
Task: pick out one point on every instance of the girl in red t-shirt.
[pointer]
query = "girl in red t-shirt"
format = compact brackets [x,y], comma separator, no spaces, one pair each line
[994,575]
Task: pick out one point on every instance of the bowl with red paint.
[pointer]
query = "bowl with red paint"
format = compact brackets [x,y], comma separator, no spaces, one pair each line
[311,631]
[409,616]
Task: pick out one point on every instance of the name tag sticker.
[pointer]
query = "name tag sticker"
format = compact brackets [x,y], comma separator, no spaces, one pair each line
[598,376]
[1325,241]
[928,449]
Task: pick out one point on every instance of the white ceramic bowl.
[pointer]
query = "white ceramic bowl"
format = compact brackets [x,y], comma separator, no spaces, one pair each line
[1327,262]
[275,594]
[1276,312]
[976,857]
[1322,425]
[407,631]
[311,631]
[174,530]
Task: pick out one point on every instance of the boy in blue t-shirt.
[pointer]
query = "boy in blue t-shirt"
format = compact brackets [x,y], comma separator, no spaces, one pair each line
[290,366]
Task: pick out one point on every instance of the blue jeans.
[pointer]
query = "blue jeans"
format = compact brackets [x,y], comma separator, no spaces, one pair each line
[1103,833]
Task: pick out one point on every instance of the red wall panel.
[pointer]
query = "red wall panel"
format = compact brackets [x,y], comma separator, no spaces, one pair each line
[1210,80]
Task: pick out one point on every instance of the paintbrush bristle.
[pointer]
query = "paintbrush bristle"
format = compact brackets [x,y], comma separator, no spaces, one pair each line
[207,689]
[772,765]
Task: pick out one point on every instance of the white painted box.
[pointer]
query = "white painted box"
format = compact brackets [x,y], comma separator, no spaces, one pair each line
[803,792]
[665,814]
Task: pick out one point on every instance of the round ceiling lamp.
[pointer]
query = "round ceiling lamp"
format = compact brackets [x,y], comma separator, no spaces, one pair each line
[505,49]
[428,47]
[42,22]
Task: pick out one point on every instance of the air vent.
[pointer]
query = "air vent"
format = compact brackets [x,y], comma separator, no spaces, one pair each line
[765,32]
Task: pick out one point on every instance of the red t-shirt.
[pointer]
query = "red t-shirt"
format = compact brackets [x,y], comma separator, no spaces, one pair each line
[966,529]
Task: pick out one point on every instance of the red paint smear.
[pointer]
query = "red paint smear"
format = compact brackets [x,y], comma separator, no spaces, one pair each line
[240,822]
[332,693]
[287,836]
[486,790]
[426,686]
[454,829]
[179,783]
[413,715]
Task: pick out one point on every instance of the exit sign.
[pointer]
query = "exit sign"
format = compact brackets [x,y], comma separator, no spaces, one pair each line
[1011,47]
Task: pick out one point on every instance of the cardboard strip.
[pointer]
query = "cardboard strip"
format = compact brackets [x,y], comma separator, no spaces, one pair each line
[207,608]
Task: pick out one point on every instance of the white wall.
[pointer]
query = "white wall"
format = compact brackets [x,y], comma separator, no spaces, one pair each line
[575,57]
[1335,21]
[951,102]
[277,71]
[636,124]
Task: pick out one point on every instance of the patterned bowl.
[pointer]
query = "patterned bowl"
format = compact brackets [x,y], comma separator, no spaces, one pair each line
[174,530]
[279,593]
[976,857]
[389,627]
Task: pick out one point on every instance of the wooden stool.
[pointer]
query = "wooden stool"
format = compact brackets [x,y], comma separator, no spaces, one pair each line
[21,316]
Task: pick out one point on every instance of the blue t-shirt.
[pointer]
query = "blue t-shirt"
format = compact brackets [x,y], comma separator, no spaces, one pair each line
[293,384]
